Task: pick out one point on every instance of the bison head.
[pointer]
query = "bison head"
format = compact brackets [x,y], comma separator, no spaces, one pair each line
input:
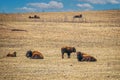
[79,56]
[14,53]
[29,53]
[73,49]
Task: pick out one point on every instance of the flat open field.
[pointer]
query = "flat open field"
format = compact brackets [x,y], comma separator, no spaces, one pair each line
[97,33]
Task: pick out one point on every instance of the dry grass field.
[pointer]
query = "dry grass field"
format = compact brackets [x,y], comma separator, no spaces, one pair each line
[97,34]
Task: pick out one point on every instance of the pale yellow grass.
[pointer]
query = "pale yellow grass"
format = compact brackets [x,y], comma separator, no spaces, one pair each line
[99,37]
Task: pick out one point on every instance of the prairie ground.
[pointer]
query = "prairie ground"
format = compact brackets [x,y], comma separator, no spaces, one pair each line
[98,34]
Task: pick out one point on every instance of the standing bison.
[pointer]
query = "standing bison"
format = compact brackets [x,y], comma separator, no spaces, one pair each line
[34,55]
[67,50]
[11,55]
[85,57]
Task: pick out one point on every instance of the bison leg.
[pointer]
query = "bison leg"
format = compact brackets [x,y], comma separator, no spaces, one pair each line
[83,59]
[68,55]
[62,55]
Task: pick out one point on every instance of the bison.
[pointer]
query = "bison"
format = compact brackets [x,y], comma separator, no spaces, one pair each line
[85,57]
[12,55]
[34,17]
[67,50]
[34,55]
[78,16]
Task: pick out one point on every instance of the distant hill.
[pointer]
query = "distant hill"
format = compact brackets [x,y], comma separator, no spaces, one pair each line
[89,16]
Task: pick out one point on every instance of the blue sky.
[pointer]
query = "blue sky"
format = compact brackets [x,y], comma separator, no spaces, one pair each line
[16,6]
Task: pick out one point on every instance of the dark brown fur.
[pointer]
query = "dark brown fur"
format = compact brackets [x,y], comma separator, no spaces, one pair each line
[78,16]
[11,55]
[34,17]
[85,57]
[37,55]
[67,50]
[34,55]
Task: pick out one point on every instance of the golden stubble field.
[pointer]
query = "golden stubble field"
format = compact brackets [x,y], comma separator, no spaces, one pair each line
[98,34]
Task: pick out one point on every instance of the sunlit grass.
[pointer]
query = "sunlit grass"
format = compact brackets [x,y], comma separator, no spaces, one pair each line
[99,37]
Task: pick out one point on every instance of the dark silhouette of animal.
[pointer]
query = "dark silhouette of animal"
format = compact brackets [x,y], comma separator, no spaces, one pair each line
[67,50]
[85,57]
[37,17]
[34,17]
[12,55]
[78,16]
[29,54]
[34,55]
[30,17]
[18,30]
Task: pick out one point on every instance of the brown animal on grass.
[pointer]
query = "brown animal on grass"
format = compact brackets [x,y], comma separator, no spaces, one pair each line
[34,55]
[18,30]
[67,50]
[34,17]
[85,57]
[37,55]
[78,16]
[11,55]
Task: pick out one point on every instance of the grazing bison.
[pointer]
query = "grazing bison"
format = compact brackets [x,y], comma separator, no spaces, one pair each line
[67,50]
[34,55]
[11,55]
[78,16]
[85,57]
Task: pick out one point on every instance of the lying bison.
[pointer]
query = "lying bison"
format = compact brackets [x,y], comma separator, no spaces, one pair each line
[85,57]
[67,50]
[34,55]
[11,55]
[34,17]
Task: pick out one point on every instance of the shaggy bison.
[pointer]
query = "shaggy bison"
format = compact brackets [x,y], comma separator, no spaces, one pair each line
[11,55]
[85,57]
[67,50]
[34,55]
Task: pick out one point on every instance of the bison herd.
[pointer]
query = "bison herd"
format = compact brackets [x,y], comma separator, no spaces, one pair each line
[68,50]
